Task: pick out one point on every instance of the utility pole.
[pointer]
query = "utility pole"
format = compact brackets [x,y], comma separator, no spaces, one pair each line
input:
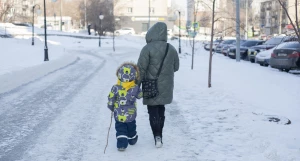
[60,16]
[179,47]
[194,34]
[238,57]
[246,35]
[149,16]
[85,23]
[280,19]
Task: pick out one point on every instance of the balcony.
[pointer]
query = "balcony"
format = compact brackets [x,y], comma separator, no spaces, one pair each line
[269,8]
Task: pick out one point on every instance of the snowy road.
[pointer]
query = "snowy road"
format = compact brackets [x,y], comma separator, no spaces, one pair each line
[62,116]
[30,110]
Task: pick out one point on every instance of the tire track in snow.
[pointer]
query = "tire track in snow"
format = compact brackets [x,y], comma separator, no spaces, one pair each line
[81,121]
[27,118]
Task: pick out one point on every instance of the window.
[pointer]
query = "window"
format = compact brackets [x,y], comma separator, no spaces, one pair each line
[228,41]
[144,26]
[250,43]
[151,10]
[129,9]
[292,45]
[274,41]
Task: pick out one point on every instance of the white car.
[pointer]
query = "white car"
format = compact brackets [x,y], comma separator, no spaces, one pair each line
[125,31]
[170,33]
[263,57]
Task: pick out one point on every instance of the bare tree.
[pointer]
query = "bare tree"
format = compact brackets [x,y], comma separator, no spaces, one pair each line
[211,42]
[4,9]
[194,31]
[95,8]
[282,3]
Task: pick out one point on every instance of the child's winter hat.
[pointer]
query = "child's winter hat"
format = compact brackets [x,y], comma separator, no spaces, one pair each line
[128,72]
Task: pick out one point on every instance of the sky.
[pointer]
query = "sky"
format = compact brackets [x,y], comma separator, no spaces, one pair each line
[181,3]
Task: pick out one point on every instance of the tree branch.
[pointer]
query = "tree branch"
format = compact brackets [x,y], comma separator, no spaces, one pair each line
[296,30]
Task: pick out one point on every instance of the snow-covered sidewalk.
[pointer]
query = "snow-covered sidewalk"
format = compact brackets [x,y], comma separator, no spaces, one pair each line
[228,122]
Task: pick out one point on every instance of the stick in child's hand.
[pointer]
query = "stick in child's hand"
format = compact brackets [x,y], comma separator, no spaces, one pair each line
[112,113]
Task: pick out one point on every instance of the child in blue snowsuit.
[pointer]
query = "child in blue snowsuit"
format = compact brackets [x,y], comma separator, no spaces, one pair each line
[122,101]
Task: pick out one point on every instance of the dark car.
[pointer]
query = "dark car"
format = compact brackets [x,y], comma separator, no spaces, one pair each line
[223,44]
[286,56]
[244,49]
[225,49]
[268,45]
[215,43]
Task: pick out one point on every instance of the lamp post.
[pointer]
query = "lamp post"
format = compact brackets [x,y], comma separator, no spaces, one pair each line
[60,26]
[60,17]
[32,43]
[149,16]
[45,27]
[100,17]
[179,48]
[116,20]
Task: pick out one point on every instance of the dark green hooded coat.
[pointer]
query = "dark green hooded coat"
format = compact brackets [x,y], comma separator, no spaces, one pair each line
[150,59]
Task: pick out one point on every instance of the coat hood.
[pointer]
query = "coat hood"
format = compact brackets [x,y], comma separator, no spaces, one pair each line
[158,32]
[128,72]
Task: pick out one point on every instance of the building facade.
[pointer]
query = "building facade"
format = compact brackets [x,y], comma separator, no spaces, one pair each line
[273,18]
[135,14]
[19,10]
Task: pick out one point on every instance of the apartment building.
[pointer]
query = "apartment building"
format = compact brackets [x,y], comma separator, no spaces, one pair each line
[135,13]
[274,19]
[20,10]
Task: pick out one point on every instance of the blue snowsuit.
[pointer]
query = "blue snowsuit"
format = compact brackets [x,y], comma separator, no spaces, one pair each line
[122,101]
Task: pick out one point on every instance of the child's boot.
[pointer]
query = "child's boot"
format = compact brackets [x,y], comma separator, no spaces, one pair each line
[133,140]
[122,142]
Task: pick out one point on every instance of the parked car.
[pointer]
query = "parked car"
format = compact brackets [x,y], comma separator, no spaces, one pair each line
[286,57]
[244,49]
[225,48]
[263,58]
[215,43]
[269,44]
[170,32]
[125,31]
[49,27]
[223,44]
[26,24]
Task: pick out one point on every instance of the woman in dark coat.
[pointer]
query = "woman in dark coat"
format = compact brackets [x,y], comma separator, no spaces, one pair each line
[149,62]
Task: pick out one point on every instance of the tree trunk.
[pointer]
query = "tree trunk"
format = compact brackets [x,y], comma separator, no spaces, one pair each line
[297,23]
[211,43]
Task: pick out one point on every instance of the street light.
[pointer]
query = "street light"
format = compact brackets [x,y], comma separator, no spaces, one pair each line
[116,20]
[32,43]
[59,13]
[100,17]
[179,48]
[45,27]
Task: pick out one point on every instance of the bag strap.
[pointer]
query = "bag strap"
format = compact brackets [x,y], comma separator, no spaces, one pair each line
[161,64]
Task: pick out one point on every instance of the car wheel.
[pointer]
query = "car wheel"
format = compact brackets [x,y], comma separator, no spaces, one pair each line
[266,65]
[252,61]
[280,70]
[286,70]
[261,64]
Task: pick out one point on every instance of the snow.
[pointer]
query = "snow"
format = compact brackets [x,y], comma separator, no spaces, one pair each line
[56,110]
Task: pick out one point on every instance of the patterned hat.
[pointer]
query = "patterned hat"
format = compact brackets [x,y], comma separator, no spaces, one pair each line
[127,73]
